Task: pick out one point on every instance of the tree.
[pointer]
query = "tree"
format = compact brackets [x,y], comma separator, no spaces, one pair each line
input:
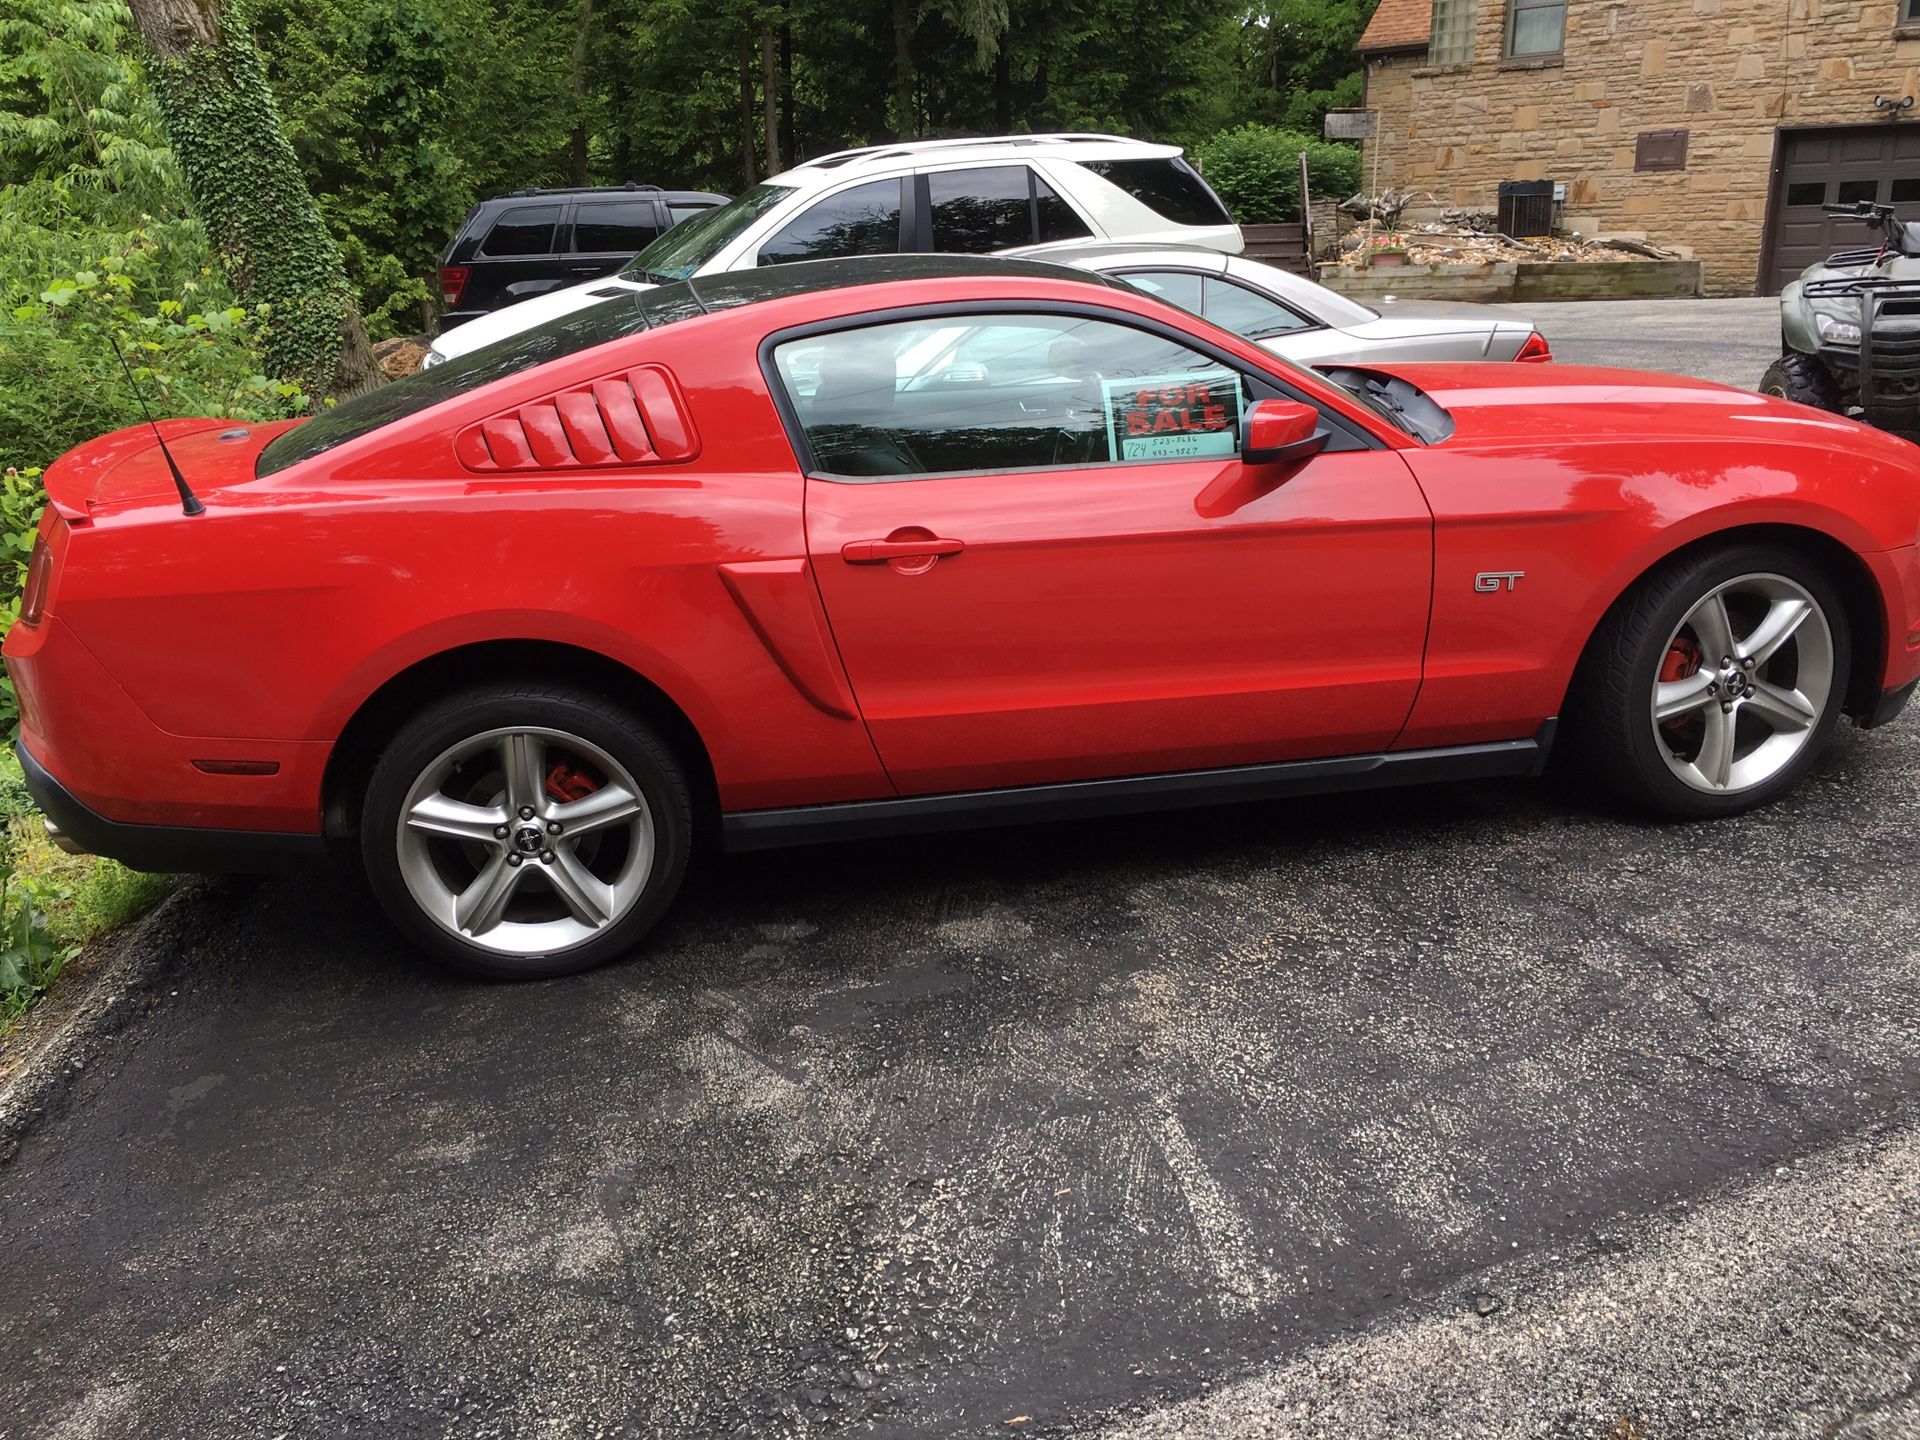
[224,128]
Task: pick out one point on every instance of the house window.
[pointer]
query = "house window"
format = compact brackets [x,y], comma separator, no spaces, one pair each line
[1536,27]
[1452,32]
[1910,12]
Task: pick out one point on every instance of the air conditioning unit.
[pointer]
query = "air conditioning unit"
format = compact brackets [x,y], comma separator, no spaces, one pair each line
[1526,207]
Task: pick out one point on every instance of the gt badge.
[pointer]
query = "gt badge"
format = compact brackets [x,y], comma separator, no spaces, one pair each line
[1488,581]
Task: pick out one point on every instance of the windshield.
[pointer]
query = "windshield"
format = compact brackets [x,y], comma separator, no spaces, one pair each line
[691,243]
[581,330]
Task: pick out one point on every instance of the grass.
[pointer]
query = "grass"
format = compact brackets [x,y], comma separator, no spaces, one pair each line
[52,903]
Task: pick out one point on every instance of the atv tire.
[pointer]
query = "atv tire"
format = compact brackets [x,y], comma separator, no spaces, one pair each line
[1803,379]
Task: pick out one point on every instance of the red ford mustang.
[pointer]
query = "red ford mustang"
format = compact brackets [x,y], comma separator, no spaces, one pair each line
[843,548]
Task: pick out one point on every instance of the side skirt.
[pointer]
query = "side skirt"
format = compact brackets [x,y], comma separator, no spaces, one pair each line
[1239,784]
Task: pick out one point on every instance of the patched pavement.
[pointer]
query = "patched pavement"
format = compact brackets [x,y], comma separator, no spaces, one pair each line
[1033,1132]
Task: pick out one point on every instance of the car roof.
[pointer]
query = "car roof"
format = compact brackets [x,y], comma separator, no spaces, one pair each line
[729,289]
[825,169]
[608,191]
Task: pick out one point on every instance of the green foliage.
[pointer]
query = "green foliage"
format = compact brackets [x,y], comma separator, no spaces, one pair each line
[1256,169]
[266,232]
[30,954]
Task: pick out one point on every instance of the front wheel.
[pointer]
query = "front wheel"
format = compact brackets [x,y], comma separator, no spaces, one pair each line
[519,833]
[1803,379]
[1715,686]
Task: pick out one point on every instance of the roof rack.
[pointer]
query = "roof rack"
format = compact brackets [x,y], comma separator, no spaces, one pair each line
[914,147]
[576,189]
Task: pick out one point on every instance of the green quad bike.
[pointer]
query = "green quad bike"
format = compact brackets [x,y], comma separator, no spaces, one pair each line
[1850,327]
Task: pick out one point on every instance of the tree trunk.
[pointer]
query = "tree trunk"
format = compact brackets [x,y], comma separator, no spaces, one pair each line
[903,119]
[1002,89]
[582,32]
[770,99]
[746,109]
[247,186]
[789,146]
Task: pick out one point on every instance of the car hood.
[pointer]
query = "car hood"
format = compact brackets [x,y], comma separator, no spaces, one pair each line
[485,329]
[1556,404]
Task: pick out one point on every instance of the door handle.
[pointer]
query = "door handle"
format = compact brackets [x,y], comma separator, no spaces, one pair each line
[878,552]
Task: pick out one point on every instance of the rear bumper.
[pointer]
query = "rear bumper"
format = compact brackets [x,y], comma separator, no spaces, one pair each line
[163,848]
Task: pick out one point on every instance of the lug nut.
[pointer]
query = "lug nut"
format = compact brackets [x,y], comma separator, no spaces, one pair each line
[1748,663]
[513,859]
[499,832]
[546,857]
[1713,687]
[1726,707]
[526,812]
[553,827]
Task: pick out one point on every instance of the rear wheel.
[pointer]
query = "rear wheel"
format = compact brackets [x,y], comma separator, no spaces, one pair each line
[1802,379]
[1716,685]
[518,833]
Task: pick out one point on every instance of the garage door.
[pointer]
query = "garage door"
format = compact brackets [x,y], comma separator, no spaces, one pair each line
[1836,167]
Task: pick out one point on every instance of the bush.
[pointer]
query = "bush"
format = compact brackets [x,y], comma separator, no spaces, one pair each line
[1256,170]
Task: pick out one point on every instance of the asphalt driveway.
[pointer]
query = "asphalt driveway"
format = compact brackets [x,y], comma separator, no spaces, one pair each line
[1223,1123]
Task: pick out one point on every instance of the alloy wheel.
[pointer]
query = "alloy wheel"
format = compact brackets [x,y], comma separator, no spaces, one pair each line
[525,841]
[1743,682]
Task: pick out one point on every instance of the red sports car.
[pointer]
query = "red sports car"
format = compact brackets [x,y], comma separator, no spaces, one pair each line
[851,547]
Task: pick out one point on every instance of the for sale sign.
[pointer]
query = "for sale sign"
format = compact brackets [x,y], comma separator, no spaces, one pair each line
[1174,417]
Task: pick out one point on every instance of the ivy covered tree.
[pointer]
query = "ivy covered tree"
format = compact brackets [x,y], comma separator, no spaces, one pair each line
[224,129]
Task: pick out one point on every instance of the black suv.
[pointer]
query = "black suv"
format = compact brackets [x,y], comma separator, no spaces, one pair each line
[516,246]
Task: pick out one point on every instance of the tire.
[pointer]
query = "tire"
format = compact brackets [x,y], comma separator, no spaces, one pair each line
[1733,737]
[526,877]
[1802,379]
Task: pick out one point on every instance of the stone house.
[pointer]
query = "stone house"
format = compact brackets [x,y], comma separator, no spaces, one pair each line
[1716,125]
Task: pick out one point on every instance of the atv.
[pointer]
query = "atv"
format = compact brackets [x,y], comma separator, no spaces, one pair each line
[1850,327]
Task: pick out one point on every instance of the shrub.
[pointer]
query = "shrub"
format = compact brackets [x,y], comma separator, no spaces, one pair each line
[1256,170]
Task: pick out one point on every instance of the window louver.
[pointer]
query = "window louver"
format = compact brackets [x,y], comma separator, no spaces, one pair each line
[635,418]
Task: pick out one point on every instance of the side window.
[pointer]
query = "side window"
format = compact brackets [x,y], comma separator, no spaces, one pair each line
[1176,287]
[1247,312]
[978,211]
[523,230]
[614,226]
[862,221]
[1171,188]
[677,213]
[1057,218]
[1017,392]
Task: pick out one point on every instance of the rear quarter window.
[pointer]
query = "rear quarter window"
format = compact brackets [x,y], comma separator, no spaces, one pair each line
[522,230]
[1170,188]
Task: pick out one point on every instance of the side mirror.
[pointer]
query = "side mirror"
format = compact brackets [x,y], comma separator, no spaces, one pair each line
[1281,432]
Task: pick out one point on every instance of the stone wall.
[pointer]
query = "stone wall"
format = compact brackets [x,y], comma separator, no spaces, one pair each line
[1505,280]
[1728,71]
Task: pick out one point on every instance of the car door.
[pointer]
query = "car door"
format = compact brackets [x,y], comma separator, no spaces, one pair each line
[1042,559]
[607,233]
[518,258]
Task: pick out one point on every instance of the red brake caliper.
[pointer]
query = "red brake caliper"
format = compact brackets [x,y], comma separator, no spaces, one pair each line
[1682,659]
[568,780]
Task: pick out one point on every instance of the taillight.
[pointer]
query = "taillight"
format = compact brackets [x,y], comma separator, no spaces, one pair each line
[33,600]
[453,279]
[1535,350]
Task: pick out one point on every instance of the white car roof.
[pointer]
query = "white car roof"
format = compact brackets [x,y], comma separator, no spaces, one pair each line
[908,154]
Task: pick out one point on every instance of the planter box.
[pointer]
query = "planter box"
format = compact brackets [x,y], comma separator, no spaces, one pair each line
[1521,280]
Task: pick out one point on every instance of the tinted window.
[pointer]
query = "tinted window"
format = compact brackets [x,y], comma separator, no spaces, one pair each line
[1176,287]
[523,230]
[1247,312]
[1851,191]
[978,211]
[923,397]
[862,221]
[1904,192]
[1807,192]
[609,320]
[1057,218]
[686,212]
[614,225]
[1170,188]
[685,248]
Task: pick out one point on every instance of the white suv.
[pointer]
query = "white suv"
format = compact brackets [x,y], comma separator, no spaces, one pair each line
[971,196]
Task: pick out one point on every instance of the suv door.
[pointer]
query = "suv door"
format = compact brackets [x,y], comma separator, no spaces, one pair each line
[1043,560]
[517,257]
[606,233]
[862,219]
[984,208]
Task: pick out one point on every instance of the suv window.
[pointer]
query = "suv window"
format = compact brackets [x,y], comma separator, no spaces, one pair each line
[523,230]
[862,221]
[605,226]
[688,210]
[1170,188]
[1022,392]
[993,207]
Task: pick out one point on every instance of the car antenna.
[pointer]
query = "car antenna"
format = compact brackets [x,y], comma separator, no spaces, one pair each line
[189,502]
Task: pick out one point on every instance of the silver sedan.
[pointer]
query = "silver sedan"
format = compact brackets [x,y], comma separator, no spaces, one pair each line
[1307,323]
